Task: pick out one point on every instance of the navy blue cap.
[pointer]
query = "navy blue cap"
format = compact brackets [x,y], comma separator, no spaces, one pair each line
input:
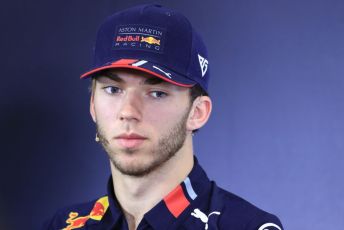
[153,39]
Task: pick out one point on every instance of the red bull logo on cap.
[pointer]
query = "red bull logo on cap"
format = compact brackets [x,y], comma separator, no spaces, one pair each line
[128,38]
[75,221]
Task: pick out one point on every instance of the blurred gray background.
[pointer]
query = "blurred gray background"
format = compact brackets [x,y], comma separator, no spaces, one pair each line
[275,136]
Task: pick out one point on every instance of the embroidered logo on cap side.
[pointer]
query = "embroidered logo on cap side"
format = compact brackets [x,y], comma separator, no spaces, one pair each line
[139,37]
[204,64]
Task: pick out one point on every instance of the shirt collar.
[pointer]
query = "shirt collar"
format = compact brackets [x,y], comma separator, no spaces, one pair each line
[114,207]
[173,207]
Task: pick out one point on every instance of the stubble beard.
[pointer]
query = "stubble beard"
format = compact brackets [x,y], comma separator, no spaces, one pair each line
[167,147]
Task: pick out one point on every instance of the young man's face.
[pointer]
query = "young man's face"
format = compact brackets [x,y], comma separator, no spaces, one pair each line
[141,120]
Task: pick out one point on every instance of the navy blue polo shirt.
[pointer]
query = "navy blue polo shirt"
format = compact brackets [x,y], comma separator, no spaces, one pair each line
[196,203]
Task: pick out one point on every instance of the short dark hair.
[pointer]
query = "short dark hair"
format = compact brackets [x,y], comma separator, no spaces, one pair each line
[197,91]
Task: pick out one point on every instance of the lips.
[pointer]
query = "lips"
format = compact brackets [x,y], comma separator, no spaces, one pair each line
[130,140]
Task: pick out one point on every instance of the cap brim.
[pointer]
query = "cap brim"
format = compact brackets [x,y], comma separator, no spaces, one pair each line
[147,67]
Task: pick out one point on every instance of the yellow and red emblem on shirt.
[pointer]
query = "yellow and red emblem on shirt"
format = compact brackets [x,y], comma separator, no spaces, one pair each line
[75,221]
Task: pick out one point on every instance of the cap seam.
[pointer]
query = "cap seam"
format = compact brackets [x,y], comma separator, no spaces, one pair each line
[192,45]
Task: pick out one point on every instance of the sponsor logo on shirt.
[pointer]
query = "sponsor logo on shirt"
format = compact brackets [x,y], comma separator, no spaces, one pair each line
[270,226]
[75,221]
[203,217]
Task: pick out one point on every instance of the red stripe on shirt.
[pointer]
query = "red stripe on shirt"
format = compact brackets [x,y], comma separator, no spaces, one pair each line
[176,201]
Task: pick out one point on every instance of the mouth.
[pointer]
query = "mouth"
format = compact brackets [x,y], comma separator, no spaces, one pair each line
[131,140]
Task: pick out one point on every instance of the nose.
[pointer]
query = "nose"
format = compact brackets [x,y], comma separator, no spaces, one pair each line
[131,107]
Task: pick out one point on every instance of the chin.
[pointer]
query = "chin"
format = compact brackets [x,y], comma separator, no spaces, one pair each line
[134,168]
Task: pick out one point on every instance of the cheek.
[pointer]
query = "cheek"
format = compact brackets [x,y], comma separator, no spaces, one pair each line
[163,118]
[104,111]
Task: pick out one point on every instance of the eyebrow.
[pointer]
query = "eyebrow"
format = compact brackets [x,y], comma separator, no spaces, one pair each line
[153,81]
[110,75]
[149,81]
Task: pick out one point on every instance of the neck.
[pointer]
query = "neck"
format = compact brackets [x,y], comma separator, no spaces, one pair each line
[137,195]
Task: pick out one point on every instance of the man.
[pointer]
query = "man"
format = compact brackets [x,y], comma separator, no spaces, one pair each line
[149,95]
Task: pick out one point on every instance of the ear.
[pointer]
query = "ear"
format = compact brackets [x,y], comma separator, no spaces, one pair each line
[92,110]
[199,113]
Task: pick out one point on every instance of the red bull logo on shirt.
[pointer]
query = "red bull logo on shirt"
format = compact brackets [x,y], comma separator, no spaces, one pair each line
[75,221]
